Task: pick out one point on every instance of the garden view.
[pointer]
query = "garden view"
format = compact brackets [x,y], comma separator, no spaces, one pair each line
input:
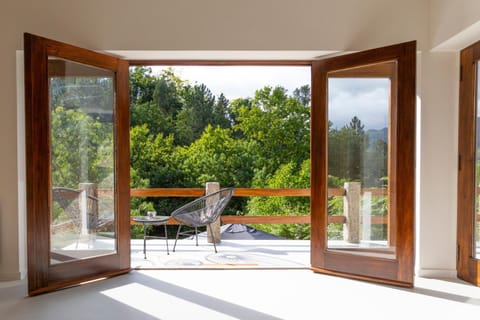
[182,136]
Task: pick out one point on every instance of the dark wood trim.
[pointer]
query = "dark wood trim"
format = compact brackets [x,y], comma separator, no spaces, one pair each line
[271,219]
[242,192]
[319,163]
[392,154]
[251,192]
[160,62]
[58,67]
[265,219]
[75,282]
[402,186]
[168,192]
[254,220]
[122,163]
[42,276]
[363,278]
[467,265]
[80,55]
[401,166]
[37,162]
[384,70]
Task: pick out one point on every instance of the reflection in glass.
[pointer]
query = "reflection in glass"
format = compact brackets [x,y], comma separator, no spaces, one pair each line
[82,161]
[358,150]
[476,232]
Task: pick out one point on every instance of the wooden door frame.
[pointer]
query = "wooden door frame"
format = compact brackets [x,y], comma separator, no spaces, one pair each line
[42,276]
[36,201]
[468,266]
[398,271]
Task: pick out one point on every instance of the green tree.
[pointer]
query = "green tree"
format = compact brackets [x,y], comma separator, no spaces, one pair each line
[153,157]
[156,162]
[157,100]
[302,94]
[200,109]
[168,93]
[82,149]
[142,85]
[289,175]
[279,126]
[217,156]
[347,149]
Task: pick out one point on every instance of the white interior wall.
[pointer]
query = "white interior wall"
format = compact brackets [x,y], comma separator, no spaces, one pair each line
[250,25]
[453,24]
[437,165]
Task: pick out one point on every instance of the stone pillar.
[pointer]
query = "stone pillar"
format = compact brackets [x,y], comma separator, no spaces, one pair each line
[212,187]
[351,211]
[88,207]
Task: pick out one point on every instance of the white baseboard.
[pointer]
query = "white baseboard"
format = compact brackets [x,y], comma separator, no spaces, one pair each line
[436,273]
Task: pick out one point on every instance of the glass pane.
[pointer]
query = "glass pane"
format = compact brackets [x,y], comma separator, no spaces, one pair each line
[476,220]
[81,123]
[358,150]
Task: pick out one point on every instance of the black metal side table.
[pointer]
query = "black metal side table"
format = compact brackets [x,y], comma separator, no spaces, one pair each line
[155,221]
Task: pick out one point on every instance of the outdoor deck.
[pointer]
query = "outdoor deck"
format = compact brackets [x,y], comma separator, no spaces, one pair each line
[293,254]
[232,253]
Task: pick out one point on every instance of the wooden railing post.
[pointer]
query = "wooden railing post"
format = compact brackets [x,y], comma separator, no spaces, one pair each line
[213,234]
[351,211]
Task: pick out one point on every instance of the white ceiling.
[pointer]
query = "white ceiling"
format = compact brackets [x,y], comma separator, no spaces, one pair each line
[220,55]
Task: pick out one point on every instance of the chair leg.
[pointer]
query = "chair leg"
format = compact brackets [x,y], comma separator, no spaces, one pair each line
[213,237]
[176,238]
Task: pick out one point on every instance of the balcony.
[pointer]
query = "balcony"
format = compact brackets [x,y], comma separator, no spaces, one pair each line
[243,294]
[278,253]
[233,253]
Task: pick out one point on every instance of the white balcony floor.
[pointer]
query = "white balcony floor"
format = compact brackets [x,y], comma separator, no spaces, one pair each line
[292,254]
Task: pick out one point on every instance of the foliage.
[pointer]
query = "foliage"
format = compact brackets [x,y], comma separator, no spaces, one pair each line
[217,156]
[182,135]
[279,125]
[79,139]
[287,176]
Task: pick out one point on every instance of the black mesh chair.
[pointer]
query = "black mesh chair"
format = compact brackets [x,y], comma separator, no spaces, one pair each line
[202,212]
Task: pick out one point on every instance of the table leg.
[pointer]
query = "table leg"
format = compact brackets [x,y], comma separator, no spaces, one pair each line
[166,237]
[144,241]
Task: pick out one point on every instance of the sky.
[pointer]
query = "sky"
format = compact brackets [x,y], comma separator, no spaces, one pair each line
[367,99]
[242,81]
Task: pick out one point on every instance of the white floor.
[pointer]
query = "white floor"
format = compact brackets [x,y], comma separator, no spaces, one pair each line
[231,254]
[246,279]
[242,294]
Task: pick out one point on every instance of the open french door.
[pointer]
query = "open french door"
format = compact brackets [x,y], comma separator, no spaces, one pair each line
[468,207]
[77,164]
[363,140]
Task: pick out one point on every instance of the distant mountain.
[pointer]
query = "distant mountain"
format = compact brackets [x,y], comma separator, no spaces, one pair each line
[375,135]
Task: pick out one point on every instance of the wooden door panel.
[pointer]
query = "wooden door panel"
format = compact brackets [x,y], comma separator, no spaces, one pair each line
[468,257]
[362,254]
[53,261]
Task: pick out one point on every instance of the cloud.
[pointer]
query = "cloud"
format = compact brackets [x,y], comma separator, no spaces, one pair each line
[242,81]
[368,99]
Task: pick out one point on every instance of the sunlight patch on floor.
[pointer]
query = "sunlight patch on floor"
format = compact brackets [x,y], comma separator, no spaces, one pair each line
[160,304]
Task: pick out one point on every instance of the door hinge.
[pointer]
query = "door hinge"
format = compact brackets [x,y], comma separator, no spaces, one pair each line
[461,73]
[458,253]
[459,162]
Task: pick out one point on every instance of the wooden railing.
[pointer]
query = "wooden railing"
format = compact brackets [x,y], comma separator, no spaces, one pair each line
[253,192]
